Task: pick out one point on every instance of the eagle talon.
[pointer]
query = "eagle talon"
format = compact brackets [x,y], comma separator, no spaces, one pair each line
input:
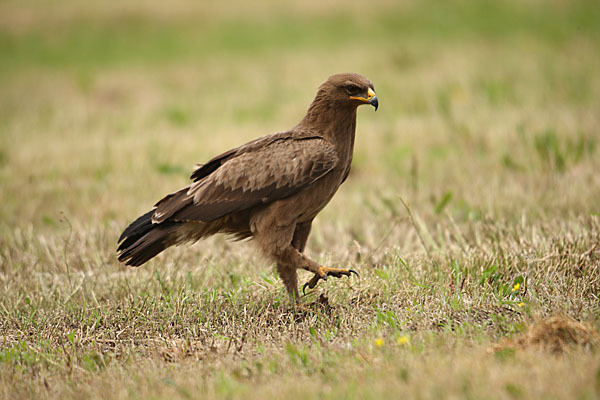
[324,272]
[312,283]
[304,288]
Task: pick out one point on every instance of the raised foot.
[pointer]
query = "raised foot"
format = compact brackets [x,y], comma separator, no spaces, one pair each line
[324,272]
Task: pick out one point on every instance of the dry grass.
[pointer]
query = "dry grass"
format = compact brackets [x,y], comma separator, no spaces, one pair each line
[471,212]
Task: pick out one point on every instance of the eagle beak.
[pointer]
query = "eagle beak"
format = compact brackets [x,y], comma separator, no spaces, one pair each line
[373,99]
[370,99]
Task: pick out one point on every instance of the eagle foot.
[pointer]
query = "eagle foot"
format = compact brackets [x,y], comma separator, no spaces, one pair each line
[324,272]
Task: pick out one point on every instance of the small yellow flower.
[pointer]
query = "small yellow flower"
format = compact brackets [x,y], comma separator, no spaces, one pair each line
[403,340]
[516,287]
[379,342]
[521,304]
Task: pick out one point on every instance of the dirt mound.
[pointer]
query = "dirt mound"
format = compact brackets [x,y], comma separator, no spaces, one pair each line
[554,334]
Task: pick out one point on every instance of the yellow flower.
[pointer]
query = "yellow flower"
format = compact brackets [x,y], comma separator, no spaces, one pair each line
[516,287]
[403,340]
[521,304]
[379,342]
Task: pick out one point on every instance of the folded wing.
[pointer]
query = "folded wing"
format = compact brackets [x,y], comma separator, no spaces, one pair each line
[248,176]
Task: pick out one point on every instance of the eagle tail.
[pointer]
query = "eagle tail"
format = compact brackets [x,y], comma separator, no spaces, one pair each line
[143,240]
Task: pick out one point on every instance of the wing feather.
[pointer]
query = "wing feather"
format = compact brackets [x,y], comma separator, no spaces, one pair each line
[242,178]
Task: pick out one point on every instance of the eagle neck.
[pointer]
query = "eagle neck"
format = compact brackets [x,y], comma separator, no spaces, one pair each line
[334,122]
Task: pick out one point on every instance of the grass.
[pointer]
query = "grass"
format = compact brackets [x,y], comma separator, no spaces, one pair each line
[471,212]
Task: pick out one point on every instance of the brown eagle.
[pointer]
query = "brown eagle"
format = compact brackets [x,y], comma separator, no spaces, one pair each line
[269,189]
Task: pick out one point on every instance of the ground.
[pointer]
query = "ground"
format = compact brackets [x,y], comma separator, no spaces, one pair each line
[471,212]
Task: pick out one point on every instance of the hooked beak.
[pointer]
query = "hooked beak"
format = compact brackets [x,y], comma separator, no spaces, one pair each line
[370,99]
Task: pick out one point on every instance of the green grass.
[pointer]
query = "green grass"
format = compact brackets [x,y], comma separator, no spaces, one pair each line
[477,173]
[138,38]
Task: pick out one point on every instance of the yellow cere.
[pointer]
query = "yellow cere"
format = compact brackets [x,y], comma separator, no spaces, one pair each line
[370,94]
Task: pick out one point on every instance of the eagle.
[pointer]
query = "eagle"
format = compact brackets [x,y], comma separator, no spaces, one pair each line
[268,190]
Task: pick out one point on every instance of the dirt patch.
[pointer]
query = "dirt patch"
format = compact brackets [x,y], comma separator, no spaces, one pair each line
[555,334]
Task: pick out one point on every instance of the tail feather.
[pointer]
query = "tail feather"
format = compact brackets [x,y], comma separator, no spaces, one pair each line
[139,226]
[143,240]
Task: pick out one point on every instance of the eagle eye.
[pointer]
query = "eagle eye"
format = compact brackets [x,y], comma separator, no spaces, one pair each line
[352,89]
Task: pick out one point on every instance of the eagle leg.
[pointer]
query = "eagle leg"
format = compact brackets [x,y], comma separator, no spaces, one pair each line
[324,272]
[290,280]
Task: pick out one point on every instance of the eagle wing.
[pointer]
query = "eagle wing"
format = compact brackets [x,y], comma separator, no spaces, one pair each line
[260,172]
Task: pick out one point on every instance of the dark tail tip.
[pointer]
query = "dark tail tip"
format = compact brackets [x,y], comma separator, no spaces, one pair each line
[136,229]
[143,240]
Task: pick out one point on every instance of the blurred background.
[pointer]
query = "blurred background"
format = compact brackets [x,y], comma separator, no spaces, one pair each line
[472,208]
[488,108]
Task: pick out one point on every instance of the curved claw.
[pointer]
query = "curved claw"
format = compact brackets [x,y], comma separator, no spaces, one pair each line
[304,288]
[323,275]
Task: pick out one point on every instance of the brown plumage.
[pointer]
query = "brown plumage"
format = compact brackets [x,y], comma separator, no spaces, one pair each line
[269,189]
